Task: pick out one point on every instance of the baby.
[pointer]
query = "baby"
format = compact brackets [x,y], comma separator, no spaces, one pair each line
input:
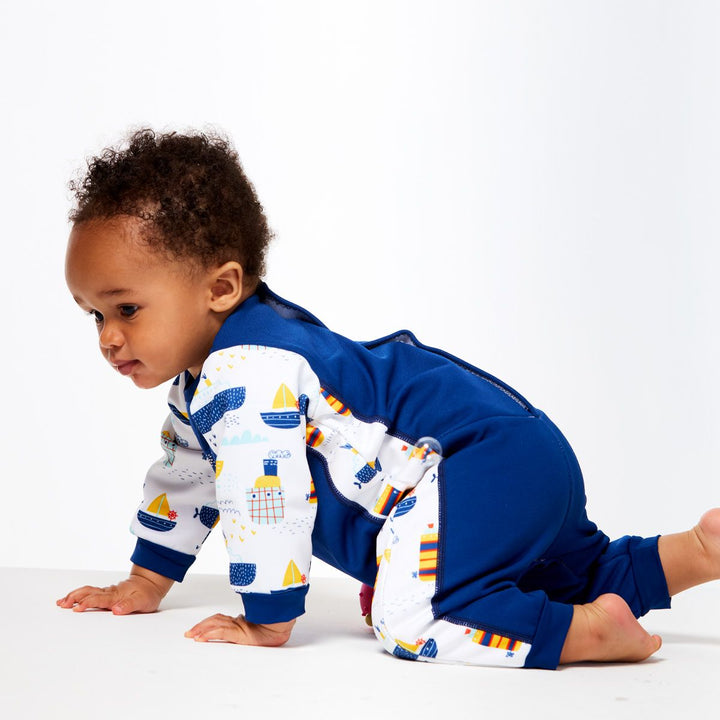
[401,465]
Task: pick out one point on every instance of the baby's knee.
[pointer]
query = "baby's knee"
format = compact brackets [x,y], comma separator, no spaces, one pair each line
[417,635]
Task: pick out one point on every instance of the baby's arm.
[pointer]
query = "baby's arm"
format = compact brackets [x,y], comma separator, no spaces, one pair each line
[263,488]
[141,593]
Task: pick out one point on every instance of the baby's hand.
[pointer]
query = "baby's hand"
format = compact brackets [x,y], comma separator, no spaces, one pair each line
[141,593]
[223,628]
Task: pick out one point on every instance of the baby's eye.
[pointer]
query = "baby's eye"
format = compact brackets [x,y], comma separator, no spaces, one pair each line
[97,316]
[128,310]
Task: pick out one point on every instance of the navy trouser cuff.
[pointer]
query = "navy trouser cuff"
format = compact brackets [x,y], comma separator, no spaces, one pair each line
[552,629]
[649,574]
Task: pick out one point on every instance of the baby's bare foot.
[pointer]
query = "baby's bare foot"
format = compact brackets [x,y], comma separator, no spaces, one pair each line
[605,630]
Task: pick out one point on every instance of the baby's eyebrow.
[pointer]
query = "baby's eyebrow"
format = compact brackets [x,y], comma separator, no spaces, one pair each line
[116,291]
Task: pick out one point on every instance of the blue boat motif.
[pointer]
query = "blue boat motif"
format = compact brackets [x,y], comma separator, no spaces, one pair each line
[285,413]
[406,651]
[158,516]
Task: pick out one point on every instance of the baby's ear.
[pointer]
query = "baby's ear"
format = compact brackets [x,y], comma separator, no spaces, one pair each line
[226,286]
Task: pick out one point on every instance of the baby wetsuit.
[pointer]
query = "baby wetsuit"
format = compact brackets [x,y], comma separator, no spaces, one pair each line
[398,464]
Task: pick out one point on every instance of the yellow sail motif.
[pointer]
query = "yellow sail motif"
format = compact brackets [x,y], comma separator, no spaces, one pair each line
[285,413]
[284,398]
[410,647]
[158,516]
[159,505]
[293,576]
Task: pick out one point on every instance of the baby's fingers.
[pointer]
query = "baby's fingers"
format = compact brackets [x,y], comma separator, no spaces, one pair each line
[76,596]
[86,598]
[218,628]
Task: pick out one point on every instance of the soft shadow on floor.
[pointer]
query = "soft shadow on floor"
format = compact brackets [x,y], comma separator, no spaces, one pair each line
[332,606]
[687,639]
[199,591]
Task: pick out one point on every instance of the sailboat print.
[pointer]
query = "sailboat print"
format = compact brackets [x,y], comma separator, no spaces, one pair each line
[293,576]
[158,516]
[414,651]
[285,413]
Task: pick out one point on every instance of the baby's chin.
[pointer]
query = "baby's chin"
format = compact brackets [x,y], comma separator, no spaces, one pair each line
[147,382]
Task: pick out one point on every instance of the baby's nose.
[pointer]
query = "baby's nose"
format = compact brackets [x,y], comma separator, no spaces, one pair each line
[110,337]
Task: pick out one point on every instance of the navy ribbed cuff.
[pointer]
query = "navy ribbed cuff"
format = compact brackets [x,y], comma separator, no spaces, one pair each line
[274,607]
[649,574]
[164,561]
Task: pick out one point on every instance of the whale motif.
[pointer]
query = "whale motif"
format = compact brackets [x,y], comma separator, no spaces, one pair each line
[242,574]
[225,401]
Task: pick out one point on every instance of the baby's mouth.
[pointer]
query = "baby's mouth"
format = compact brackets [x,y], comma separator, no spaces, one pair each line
[125,367]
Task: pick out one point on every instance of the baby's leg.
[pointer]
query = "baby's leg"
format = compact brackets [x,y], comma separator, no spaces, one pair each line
[693,557]
[451,555]
[606,629]
[502,627]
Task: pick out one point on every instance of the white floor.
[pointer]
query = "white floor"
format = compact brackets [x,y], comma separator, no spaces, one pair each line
[56,663]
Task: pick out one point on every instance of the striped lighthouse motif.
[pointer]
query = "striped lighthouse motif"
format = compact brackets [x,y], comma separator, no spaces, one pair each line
[428,557]
[313,436]
[488,639]
[339,407]
[386,502]
[312,495]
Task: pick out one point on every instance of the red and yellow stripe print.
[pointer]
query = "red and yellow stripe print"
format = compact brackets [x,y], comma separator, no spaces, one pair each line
[334,403]
[428,557]
[313,436]
[488,639]
[387,500]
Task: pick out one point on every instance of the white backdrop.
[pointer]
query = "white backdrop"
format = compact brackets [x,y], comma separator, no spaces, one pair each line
[528,184]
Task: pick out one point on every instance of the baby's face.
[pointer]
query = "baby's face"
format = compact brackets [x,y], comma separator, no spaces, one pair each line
[152,314]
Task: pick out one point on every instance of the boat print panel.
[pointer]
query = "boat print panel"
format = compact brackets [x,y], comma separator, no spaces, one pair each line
[158,515]
[285,413]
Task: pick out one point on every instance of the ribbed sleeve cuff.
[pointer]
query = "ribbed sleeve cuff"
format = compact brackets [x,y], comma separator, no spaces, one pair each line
[274,607]
[164,561]
[550,636]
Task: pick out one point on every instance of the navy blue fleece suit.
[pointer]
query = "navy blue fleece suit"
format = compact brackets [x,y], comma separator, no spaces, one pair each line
[398,464]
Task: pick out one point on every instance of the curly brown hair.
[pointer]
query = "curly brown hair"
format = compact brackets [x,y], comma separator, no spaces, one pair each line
[189,189]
